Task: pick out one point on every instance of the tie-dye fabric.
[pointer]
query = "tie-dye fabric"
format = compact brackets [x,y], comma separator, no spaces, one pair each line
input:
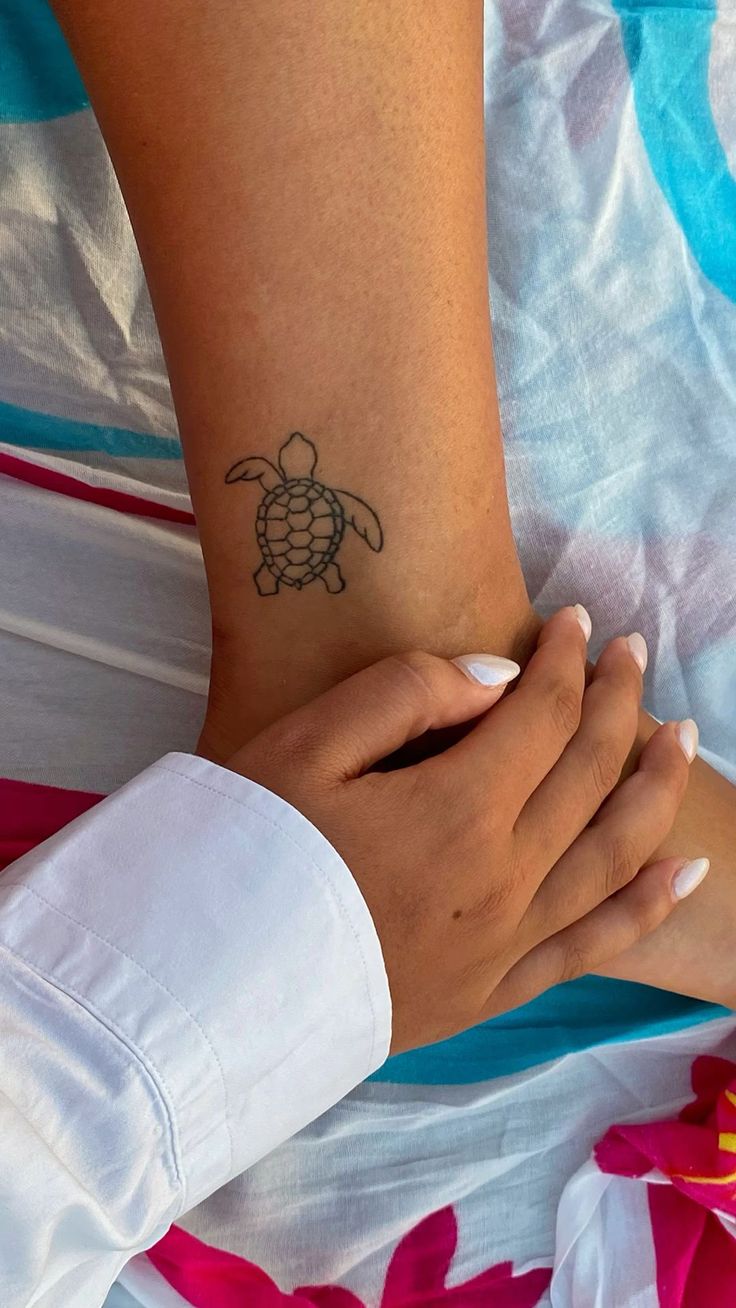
[611,150]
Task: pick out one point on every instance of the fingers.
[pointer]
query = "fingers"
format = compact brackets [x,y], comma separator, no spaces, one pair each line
[629,828]
[602,934]
[526,734]
[368,716]
[591,765]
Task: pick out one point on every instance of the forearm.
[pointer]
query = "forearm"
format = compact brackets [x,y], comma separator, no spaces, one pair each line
[306,185]
[310,214]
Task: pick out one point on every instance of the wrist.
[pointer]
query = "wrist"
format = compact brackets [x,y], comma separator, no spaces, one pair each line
[253,682]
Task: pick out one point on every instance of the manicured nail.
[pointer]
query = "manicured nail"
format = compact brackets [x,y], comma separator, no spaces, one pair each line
[487,669]
[639,651]
[689,877]
[583,618]
[688,735]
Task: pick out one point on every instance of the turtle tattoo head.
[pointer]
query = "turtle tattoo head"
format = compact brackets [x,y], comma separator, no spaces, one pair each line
[301,522]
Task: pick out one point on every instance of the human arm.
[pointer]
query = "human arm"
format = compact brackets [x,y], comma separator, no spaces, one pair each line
[313,233]
[142,1067]
[323,270]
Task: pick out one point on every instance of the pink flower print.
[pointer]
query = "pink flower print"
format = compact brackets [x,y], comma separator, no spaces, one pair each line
[695,1251]
[418,1271]
[212,1278]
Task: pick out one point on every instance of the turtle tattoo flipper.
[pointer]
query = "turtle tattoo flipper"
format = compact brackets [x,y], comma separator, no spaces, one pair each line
[301,522]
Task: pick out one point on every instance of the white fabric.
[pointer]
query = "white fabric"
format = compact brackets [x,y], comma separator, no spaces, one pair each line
[332,1204]
[616,363]
[189,975]
[605,1252]
[104,639]
[600,1261]
[79,330]
[335,1204]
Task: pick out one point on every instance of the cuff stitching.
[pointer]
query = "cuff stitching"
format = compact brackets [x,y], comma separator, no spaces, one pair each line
[152,1072]
[323,874]
[29,890]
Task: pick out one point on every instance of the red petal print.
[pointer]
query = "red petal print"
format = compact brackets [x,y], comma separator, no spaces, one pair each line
[330,1296]
[710,1077]
[211,1278]
[419,1267]
[697,1151]
[421,1261]
[31,813]
[695,1253]
[696,1256]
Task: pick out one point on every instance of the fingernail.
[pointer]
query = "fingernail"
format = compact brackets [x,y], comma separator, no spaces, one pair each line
[689,877]
[583,618]
[487,669]
[688,735]
[639,651]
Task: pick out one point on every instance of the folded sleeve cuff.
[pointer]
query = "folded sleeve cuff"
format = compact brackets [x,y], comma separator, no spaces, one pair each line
[217,934]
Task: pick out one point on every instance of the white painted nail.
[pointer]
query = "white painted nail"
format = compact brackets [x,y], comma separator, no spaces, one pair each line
[583,618]
[639,651]
[487,669]
[688,735]
[689,877]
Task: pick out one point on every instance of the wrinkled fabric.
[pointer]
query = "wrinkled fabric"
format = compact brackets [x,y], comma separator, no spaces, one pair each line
[141,1068]
[510,1159]
[650,1219]
[611,156]
[613,282]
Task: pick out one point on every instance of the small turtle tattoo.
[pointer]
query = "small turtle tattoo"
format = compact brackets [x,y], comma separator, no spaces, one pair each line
[301,522]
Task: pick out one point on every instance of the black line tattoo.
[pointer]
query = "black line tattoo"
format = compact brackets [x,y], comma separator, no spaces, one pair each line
[301,522]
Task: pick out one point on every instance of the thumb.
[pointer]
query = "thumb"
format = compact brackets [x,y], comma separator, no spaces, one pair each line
[376,711]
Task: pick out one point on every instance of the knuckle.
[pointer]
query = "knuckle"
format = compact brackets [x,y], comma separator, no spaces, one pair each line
[565,707]
[645,915]
[410,676]
[666,794]
[500,897]
[301,744]
[416,661]
[621,861]
[575,961]
[606,763]
[622,699]
[497,901]
[676,774]
[644,922]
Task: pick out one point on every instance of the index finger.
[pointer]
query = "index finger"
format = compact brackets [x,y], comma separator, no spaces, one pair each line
[522,738]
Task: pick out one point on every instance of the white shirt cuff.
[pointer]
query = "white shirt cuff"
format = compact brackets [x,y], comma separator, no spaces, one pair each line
[216,933]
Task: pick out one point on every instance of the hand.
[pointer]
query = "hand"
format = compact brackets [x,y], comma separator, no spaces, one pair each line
[501,866]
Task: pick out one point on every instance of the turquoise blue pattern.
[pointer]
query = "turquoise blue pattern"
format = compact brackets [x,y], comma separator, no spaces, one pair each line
[31,430]
[668,46]
[38,77]
[579,1015]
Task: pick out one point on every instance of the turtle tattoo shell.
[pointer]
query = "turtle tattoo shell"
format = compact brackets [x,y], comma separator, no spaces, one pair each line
[301,522]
